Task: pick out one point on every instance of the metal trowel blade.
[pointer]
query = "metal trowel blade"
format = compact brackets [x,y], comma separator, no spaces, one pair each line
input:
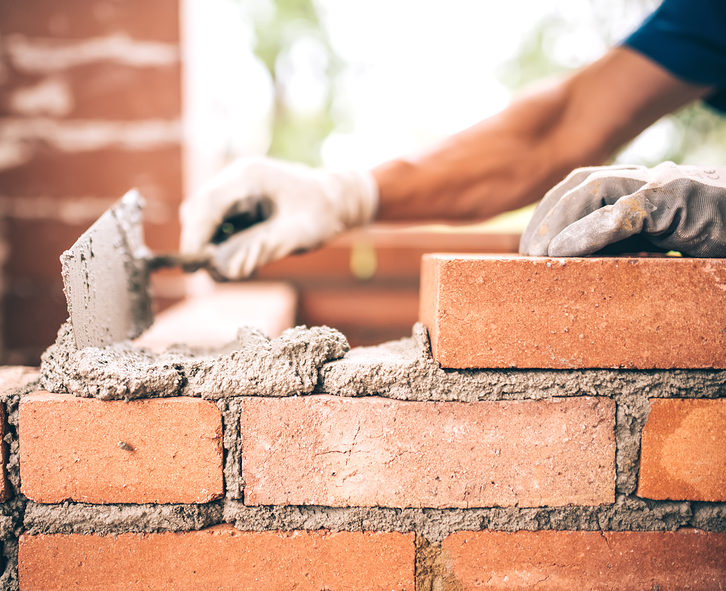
[106,277]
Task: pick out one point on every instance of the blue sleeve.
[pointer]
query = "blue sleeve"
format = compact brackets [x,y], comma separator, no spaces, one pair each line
[688,38]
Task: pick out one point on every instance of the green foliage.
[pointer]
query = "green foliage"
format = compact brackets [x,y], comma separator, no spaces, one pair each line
[533,62]
[278,25]
[697,133]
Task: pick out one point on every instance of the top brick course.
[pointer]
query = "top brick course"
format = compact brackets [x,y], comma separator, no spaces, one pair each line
[510,311]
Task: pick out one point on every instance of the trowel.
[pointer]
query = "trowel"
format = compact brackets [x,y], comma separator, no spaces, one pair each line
[107,270]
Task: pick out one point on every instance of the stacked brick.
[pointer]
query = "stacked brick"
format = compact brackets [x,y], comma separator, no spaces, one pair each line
[90,106]
[503,478]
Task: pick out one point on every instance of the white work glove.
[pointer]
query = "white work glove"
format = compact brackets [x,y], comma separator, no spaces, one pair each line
[673,207]
[305,207]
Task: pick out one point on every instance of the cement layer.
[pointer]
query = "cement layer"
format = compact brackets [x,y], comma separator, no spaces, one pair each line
[305,359]
[252,365]
[232,443]
[9,574]
[82,518]
[405,370]
[626,514]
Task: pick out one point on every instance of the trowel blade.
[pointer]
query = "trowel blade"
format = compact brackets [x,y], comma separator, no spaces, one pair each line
[106,277]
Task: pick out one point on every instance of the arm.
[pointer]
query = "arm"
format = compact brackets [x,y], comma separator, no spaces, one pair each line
[514,157]
[502,163]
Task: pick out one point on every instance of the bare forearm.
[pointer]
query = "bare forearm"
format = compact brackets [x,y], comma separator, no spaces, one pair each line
[514,157]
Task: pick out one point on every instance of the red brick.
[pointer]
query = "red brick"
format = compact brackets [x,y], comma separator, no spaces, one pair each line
[33,311]
[79,19]
[34,305]
[686,559]
[107,173]
[511,311]
[104,90]
[37,243]
[72,449]
[324,450]
[683,451]
[219,558]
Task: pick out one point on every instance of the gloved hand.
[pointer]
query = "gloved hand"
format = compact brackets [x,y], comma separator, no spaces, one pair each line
[305,207]
[674,207]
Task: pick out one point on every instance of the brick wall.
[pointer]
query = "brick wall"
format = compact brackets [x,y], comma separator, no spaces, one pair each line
[90,105]
[390,473]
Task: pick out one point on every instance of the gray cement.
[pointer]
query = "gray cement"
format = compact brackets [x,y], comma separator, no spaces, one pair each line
[253,365]
[303,360]
[232,444]
[103,520]
[9,570]
[626,514]
[405,370]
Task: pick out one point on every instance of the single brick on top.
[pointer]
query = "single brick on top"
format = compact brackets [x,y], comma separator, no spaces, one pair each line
[683,451]
[166,450]
[539,312]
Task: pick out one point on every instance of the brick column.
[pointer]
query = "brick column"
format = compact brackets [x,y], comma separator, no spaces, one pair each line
[90,106]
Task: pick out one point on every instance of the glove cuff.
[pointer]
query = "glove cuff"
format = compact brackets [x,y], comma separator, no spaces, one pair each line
[357,200]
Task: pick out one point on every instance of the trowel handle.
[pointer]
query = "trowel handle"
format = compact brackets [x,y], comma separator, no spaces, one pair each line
[188,263]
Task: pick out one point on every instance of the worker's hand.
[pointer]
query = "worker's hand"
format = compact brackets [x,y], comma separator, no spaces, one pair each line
[674,207]
[303,208]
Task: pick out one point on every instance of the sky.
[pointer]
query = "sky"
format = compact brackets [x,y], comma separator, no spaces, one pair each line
[418,70]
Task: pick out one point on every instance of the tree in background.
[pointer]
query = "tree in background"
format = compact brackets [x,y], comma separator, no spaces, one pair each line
[695,134]
[282,29]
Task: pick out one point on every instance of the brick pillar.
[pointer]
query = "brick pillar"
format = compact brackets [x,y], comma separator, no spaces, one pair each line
[90,106]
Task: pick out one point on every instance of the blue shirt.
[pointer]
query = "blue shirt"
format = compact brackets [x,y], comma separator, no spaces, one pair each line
[688,38]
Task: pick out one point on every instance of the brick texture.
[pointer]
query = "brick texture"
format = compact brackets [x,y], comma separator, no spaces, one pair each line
[99,90]
[323,450]
[145,451]
[511,311]
[219,558]
[90,107]
[80,19]
[103,172]
[29,333]
[683,451]
[686,559]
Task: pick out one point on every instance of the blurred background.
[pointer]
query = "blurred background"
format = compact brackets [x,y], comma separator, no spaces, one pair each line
[98,96]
